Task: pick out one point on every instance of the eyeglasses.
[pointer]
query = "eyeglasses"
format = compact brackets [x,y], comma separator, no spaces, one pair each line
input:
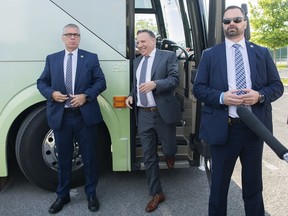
[227,21]
[70,35]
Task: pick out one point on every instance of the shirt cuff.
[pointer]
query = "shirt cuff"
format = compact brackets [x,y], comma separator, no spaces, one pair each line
[221,99]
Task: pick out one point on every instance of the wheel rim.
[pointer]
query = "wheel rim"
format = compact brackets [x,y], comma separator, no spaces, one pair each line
[50,155]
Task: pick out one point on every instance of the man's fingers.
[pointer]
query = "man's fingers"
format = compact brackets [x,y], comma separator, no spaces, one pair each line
[129,102]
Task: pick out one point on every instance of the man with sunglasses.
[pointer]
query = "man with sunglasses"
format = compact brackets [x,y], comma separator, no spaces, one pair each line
[71,81]
[235,73]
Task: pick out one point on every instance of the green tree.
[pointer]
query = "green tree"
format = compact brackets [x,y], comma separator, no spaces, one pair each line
[269,22]
[146,24]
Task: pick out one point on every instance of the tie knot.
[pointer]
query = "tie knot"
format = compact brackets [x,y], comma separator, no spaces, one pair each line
[236,46]
[70,54]
[146,57]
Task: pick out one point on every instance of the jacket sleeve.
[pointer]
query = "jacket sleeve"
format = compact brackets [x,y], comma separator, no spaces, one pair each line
[268,81]
[44,81]
[208,86]
[98,83]
[171,80]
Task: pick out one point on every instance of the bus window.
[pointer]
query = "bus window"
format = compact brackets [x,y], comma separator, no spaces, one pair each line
[172,18]
[145,16]
[143,4]
[146,21]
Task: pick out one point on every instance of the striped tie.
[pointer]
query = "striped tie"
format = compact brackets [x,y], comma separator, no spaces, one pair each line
[239,70]
[68,81]
[143,96]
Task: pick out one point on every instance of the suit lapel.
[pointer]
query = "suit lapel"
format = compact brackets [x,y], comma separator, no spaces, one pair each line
[135,66]
[136,63]
[252,61]
[80,61]
[223,64]
[157,59]
[60,62]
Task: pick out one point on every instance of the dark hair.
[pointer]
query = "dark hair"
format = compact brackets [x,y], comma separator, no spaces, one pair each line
[235,7]
[147,31]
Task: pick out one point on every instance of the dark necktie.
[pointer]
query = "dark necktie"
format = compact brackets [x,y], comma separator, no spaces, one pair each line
[143,96]
[239,69]
[68,81]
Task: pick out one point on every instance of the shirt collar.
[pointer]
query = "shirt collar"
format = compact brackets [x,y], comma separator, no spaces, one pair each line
[230,43]
[74,52]
[152,54]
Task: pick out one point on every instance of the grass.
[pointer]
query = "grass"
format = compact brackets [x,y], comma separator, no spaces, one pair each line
[284,81]
[281,66]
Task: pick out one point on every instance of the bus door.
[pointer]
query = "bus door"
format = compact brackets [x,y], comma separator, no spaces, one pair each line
[180,26]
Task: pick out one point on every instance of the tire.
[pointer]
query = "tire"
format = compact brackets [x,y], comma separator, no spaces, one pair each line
[36,153]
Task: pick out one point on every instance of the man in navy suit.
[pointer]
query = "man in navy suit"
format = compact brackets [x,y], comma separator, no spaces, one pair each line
[229,138]
[158,114]
[73,112]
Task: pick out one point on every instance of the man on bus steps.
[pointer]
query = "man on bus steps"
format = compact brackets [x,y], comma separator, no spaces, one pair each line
[71,81]
[157,109]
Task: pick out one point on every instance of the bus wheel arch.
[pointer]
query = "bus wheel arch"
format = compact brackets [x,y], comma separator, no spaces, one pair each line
[36,153]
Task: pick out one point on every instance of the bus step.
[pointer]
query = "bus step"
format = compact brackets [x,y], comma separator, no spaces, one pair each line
[180,139]
[178,164]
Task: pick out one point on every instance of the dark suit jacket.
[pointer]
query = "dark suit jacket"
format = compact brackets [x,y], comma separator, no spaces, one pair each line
[89,80]
[211,80]
[165,74]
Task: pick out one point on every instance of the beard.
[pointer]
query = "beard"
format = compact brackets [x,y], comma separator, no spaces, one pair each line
[232,32]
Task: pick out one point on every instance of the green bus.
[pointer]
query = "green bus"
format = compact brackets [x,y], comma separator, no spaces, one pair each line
[31,29]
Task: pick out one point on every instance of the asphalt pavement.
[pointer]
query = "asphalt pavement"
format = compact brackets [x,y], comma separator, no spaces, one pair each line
[186,190]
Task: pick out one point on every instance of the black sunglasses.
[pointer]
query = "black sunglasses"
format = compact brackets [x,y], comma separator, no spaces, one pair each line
[227,21]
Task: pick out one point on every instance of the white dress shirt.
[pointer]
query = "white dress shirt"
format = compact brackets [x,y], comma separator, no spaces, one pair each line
[231,73]
[150,98]
[74,66]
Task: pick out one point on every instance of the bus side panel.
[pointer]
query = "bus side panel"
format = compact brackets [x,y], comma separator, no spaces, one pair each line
[33,29]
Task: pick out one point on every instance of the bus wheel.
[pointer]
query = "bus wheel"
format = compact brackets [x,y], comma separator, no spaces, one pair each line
[36,153]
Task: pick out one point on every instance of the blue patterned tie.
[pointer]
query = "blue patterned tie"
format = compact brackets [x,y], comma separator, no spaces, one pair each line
[239,69]
[143,96]
[68,81]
